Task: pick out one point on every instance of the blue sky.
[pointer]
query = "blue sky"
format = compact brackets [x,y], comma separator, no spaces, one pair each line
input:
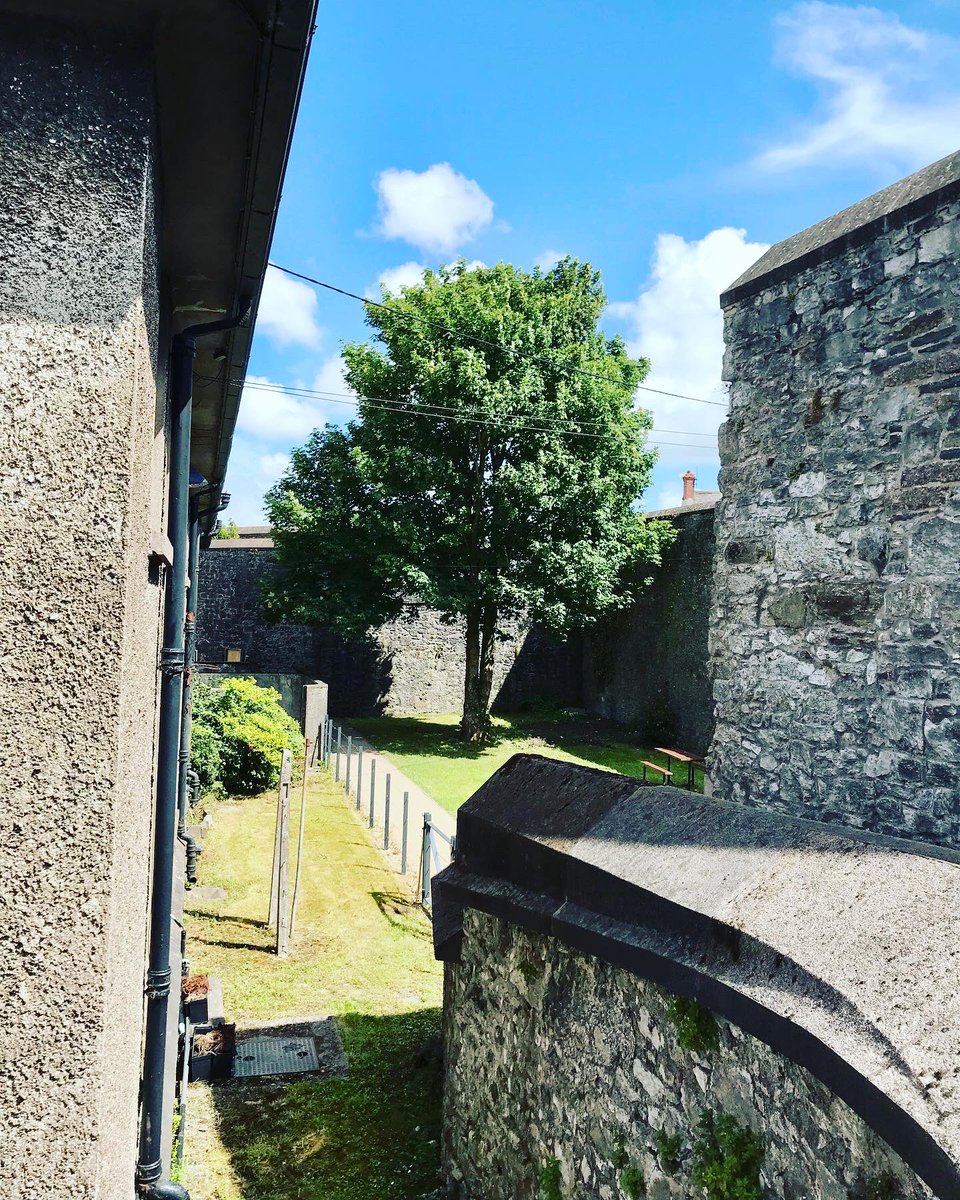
[666,144]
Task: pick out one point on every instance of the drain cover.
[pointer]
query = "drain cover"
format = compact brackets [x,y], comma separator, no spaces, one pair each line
[274,1056]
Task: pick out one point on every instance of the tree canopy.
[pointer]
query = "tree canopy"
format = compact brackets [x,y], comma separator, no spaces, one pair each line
[493,472]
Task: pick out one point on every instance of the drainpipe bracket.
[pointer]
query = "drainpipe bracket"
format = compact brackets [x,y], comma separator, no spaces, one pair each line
[158,984]
[172,660]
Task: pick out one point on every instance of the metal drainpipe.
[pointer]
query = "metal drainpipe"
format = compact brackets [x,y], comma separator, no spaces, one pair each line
[186,720]
[151,1171]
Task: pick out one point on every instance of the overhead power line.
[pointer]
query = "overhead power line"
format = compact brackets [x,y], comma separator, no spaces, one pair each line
[518,422]
[469,337]
[436,409]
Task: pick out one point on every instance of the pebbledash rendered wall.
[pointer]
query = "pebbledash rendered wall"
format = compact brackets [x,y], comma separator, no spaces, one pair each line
[81,496]
[406,666]
[835,631]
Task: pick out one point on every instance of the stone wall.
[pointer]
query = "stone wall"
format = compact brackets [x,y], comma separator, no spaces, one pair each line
[594,1080]
[408,666]
[835,631]
[81,494]
[648,666]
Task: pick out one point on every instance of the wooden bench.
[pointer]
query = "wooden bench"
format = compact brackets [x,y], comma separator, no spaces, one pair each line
[664,771]
[682,757]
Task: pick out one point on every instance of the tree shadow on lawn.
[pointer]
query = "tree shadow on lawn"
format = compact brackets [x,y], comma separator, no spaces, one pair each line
[405,913]
[411,735]
[373,1133]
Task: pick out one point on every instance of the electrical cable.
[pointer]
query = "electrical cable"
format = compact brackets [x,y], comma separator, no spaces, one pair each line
[478,340]
[518,422]
[437,409]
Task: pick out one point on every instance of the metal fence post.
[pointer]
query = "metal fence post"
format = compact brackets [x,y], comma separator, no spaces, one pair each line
[425,861]
[373,794]
[329,738]
[403,834]
[359,776]
[346,786]
[386,812]
[336,774]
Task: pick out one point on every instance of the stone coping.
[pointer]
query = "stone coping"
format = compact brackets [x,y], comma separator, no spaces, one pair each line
[241,543]
[838,949]
[905,200]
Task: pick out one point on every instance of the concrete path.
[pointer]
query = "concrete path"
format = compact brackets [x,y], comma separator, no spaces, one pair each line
[371,763]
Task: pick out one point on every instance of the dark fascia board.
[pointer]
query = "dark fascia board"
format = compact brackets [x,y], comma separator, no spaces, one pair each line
[224,147]
[692,894]
[907,200]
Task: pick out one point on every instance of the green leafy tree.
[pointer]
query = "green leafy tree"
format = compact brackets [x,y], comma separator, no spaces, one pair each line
[493,473]
[240,731]
[228,530]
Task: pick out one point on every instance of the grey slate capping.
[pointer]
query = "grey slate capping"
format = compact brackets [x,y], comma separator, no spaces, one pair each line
[748,913]
[894,206]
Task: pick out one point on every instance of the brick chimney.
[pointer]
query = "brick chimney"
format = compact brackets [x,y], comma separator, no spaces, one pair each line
[689,479]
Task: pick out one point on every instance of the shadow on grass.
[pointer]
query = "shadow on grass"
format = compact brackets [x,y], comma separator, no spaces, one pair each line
[374,1133]
[403,912]
[411,735]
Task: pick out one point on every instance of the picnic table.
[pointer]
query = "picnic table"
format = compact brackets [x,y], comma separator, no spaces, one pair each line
[681,757]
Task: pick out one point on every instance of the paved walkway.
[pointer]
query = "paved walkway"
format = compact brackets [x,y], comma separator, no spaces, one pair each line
[366,763]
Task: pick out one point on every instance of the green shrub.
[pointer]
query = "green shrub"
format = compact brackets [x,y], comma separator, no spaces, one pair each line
[727,1157]
[239,733]
[696,1027]
[205,752]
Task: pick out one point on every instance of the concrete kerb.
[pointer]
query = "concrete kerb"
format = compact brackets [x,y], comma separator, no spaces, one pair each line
[364,754]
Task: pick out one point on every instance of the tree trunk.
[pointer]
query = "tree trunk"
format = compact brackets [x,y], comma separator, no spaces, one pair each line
[471,724]
[478,674]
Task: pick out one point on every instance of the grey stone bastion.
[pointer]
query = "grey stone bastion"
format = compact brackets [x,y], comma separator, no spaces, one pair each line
[835,628]
[829,957]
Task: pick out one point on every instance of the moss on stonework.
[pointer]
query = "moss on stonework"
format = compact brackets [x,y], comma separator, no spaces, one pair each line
[727,1157]
[669,1148]
[697,1029]
[530,971]
[885,1186]
[633,1183]
[549,1180]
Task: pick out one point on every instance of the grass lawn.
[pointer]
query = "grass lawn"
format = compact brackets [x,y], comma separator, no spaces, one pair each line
[429,751]
[361,951]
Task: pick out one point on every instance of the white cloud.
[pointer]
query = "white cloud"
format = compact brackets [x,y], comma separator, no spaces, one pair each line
[275,416]
[889,91]
[330,377]
[668,496]
[287,312]
[437,210]
[549,259]
[408,274]
[272,466]
[676,322]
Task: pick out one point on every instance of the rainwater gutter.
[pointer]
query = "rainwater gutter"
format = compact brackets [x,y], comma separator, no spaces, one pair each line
[151,1170]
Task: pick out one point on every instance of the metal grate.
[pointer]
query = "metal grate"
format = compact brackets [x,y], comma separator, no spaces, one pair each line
[275,1056]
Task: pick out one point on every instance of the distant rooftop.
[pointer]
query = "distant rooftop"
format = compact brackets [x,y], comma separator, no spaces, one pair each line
[249,537]
[905,200]
[701,502]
